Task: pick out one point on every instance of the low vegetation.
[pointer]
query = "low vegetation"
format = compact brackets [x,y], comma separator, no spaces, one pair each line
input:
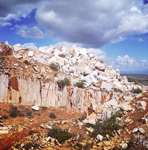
[82,118]
[43,108]
[130,79]
[13,112]
[3,117]
[80,84]
[64,82]
[54,66]
[59,134]
[137,91]
[29,113]
[108,126]
[26,62]
[143,79]
[52,115]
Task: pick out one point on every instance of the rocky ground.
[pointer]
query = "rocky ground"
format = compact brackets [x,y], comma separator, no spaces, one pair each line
[29,128]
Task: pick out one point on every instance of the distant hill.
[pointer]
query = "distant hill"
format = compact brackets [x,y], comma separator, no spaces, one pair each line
[141,78]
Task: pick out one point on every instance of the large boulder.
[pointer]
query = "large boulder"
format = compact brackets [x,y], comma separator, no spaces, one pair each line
[91,119]
[5,49]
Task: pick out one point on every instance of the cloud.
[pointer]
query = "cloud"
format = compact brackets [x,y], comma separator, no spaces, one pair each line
[3,24]
[29,45]
[91,23]
[34,32]
[13,9]
[126,63]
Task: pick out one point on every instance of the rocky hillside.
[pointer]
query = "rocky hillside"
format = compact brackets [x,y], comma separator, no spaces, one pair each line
[78,81]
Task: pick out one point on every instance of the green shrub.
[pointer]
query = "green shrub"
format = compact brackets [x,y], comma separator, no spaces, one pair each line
[54,66]
[62,83]
[31,132]
[28,113]
[59,134]
[80,84]
[3,117]
[43,108]
[52,115]
[131,79]
[30,145]
[137,91]
[108,126]
[67,81]
[26,62]
[82,118]
[13,112]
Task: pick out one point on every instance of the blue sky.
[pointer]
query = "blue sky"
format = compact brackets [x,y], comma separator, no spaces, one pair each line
[116,31]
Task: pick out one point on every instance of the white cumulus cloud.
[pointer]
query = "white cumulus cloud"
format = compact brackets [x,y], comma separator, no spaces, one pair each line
[127,63]
[92,23]
[33,32]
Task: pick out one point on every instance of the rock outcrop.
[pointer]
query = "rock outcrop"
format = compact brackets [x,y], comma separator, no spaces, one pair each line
[5,49]
[75,80]
[28,79]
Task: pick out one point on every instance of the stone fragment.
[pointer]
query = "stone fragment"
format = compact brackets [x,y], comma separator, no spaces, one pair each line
[141,105]
[99,137]
[100,144]
[90,129]
[135,130]
[145,144]
[106,86]
[35,108]
[36,68]
[30,53]
[145,118]
[91,119]
[124,145]
[118,120]
[20,129]
[125,107]
[107,143]
[100,66]
[18,56]
[127,120]
[17,47]
[4,131]
[142,130]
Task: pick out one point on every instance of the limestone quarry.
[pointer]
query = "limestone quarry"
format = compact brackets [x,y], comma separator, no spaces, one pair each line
[34,79]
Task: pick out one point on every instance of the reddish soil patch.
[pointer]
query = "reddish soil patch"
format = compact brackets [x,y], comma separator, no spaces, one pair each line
[33,123]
